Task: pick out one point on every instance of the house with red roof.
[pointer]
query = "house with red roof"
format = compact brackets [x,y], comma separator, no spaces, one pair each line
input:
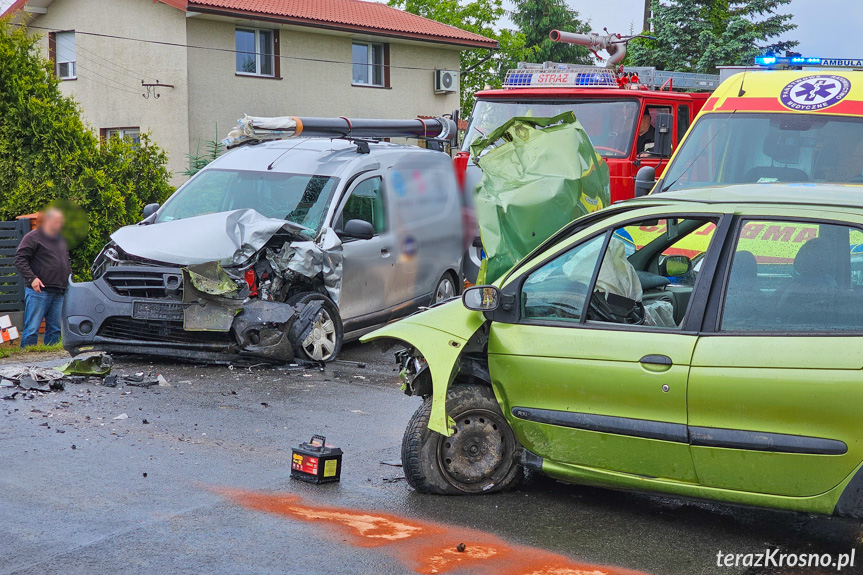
[186,70]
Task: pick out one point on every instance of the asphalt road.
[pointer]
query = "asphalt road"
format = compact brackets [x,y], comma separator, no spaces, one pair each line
[203,488]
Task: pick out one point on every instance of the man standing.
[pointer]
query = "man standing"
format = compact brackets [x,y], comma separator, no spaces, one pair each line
[42,260]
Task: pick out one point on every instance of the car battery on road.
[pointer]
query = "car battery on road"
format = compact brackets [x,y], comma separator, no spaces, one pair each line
[316,462]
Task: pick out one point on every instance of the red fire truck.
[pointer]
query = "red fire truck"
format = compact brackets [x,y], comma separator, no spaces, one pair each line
[609,102]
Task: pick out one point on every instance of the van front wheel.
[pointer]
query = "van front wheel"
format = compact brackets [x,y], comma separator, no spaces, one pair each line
[479,456]
[325,340]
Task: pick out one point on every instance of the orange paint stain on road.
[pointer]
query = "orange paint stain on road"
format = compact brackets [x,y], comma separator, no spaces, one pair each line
[424,547]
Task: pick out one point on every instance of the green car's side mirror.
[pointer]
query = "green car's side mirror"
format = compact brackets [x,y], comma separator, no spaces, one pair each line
[673,266]
[481,298]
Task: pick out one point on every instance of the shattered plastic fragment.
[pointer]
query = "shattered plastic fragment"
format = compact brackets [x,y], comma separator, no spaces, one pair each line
[97,365]
[212,279]
[310,259]
[212,298]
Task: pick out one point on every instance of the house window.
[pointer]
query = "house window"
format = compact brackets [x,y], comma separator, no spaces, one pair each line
[133,134]
[62,48]
[371,66]
[256,52]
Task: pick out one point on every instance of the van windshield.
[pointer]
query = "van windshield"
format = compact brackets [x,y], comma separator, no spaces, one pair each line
[610,124]
[739,148]
[298,198]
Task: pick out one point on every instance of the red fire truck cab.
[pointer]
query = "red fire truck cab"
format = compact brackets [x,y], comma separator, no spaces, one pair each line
[609,106]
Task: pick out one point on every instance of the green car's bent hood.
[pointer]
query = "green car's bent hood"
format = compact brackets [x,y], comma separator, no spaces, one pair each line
[440,335]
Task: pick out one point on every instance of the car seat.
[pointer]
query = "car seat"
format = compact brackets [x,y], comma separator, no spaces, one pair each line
[806,297]
[782,147]
[743,298]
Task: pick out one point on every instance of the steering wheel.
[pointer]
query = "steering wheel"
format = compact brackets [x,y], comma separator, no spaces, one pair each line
[607,149]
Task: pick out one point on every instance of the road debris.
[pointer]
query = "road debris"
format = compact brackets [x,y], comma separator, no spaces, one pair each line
[95,365]
[122,416]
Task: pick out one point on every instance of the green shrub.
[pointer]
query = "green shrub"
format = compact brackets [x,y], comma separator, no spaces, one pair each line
[47,153]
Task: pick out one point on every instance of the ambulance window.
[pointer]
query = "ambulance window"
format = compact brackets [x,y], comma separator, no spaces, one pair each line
[766,148]
[682,122]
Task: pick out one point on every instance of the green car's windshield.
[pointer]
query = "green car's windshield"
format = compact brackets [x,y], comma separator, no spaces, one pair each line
[739,148]
[299,198]
[610,124]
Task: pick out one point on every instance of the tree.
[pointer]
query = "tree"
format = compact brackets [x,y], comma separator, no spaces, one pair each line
[48,154]
[479,67]
[536,18]
[699,35]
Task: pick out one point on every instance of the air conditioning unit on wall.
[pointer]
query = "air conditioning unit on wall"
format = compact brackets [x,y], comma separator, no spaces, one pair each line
[445,81]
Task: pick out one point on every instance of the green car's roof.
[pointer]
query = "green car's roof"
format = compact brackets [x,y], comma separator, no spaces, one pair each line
[820,195]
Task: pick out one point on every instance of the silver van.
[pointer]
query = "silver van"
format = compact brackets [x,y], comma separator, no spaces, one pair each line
[276,250]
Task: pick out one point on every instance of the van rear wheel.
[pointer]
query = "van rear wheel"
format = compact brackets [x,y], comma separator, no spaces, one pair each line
[325,340]
[447,288]
[479,457]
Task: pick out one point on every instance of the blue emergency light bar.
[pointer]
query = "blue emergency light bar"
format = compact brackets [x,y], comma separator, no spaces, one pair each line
[769,60]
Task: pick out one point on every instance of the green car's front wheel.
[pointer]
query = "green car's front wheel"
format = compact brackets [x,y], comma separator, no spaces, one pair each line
[479,456]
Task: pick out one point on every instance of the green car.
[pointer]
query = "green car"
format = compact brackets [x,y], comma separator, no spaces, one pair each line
[592,361]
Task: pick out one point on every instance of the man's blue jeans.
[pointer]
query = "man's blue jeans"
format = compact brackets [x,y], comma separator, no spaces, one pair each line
[39,306]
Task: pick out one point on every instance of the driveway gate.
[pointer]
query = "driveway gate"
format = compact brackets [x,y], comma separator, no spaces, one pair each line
[11,284]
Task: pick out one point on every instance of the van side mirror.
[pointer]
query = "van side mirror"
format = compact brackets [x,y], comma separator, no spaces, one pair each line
[644,181]
[358,229]
[149,210]
[662,134]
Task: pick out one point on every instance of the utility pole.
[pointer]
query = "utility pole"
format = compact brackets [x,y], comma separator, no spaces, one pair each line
[645,26]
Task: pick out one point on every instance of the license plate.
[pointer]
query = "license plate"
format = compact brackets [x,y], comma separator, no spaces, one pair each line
[157,310]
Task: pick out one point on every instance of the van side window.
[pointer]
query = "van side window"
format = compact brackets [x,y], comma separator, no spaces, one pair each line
[367,203]
[682,121]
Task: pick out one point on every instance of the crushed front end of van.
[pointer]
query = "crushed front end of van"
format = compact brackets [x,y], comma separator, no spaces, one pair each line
[216,287]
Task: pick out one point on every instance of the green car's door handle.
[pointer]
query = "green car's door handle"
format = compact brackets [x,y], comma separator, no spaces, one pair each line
[656,362]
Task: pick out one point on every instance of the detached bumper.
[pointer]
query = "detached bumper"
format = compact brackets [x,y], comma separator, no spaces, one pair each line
[140,310]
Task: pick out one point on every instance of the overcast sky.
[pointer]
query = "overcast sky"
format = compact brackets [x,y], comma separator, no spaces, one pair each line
[825,28]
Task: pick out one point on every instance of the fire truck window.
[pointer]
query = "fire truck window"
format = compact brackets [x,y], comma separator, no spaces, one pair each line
[610,124]
[682,122]
[646,128]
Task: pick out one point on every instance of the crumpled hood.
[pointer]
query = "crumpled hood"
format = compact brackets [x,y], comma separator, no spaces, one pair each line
[230,238]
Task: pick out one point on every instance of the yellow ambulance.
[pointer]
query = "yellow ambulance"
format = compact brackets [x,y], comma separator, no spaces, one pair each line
[799,128]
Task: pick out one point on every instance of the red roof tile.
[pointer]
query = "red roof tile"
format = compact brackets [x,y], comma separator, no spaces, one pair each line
[350,15]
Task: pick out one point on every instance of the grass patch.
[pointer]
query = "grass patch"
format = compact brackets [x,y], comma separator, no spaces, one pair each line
[10,351]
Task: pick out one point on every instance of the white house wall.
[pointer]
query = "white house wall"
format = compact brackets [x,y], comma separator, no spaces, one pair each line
[109,70]
[217,96]
[208,97]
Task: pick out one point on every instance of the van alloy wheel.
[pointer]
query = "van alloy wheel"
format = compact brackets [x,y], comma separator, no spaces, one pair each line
[325,338]
[321,341]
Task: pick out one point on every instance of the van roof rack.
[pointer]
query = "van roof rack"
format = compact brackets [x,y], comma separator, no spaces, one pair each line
[258,128]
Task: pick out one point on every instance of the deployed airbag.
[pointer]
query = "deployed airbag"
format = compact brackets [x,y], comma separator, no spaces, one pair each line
[544,175]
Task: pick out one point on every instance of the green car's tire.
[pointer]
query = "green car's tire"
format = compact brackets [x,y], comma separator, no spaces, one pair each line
[479,457]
